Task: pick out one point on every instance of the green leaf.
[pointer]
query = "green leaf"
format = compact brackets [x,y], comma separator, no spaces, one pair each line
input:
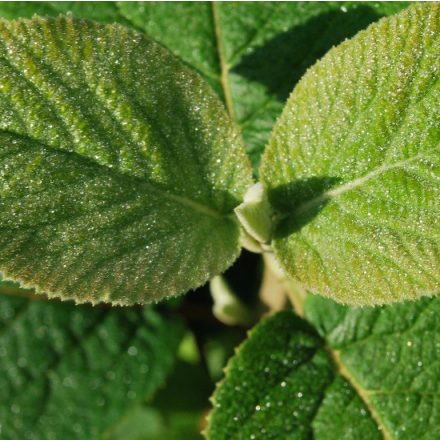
[373,375]
[104,12]
[354,166]
[391,355]
[278,384]
[72,372]
[148,423]
[253,53]
[119,167]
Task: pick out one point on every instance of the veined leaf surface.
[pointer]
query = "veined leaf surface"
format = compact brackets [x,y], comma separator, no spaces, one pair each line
[374,375]
[74,372]
[353,166]
[119,167]
[252,53]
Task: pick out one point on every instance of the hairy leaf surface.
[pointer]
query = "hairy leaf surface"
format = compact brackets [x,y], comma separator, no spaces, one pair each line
[391,355]
[373,375]
[118,166]
[251,53]
[353,166]
[72,372]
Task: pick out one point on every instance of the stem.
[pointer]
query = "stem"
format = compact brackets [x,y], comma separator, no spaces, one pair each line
[297,296]
[291,289]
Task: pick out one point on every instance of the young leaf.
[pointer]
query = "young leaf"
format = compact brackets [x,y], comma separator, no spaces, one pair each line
[119,166]
[72,372]
[375,376]
[354,165]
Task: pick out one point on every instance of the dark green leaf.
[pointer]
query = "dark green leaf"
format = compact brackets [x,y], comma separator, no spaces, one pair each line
[72,372]
[353,165]
[282,385]
[374,375]
[392,355]
[177,411]
[148,423]
[119,167]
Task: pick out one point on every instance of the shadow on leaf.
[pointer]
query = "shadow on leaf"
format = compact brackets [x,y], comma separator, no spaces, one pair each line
[292,200]
[281,62]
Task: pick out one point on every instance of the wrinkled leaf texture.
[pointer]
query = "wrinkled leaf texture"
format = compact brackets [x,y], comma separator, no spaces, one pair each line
[119,167]
[371,373]
[74,372]
[353,166]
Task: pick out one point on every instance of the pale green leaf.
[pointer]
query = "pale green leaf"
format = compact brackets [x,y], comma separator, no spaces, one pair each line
[119,167]
[374,375]
[72,372]
[353,165]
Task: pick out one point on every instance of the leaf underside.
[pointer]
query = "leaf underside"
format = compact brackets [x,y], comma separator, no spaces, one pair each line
[353,166]
[284,381]
[72,372]
[119,167]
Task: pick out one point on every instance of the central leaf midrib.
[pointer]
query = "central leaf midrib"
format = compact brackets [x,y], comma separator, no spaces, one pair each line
[224,68]
[353,184]
[362,393]
[182,200]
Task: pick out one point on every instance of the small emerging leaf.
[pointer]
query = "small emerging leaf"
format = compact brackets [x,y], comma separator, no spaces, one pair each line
[255,214]
[354,165]
[227,306]
[119,168]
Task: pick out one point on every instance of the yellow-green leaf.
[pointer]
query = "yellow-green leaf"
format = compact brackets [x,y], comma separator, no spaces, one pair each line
[353,166]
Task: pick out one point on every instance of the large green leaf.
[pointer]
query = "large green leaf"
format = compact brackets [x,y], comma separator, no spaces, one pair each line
[373,375]
[119,167]
[72,372]
[391,355]
[353,166]
[252,53]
